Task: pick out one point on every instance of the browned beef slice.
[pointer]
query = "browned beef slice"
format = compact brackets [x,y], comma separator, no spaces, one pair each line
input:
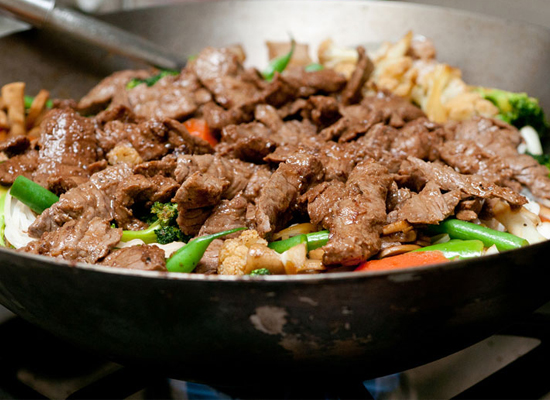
[468,158]
[356,121]
[221,72]
[23,164]
[183,142]
[256,182]
[170,97]
[78,240]
[448,179]
[352,93]
[209,262]
[248,142]
[323,111]
[105,90]
[15,145]
[165,167]
[469,209]
[67,145]
[195,198]
[235,172]
[88,200]
[491,134]
[228,214]
[288,182]
[145,257]
[429,206]
[354,214]
[116,113]
[307,84]
[419,138]
[396,111]
[217,117]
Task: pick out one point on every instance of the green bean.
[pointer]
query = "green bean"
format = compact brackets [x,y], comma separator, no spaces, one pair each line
[278,64]
[314,240]
[260,271]
[317,239]
[458,229]
[457,248]
[281,246]
[32,194]
[186,258]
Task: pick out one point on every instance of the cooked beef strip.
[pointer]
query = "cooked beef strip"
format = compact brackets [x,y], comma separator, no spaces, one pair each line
[67,145]
[396,111]
[291,179]
[323,111]
[469,209]
[307,84]
[166,166]
[100,95]
[145,257]
[15,145]
[448,179]
[352,93]
[82,240]
[23,164]
[429,206]
[354,213]
[228,214]
[94,198]
[493,145]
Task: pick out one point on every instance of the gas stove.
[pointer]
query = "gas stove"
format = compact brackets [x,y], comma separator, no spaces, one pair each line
[511,364]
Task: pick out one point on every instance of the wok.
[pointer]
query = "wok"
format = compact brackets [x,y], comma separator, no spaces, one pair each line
[215,329]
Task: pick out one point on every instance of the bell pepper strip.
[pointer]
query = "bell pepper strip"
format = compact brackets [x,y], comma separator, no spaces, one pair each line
[151,80]
[148,235]
[3,193]
[27,100]
[32,194]
[458,229]
[186,258]
[278,64]
[457,248]
[313,67]
[314,240]
[406,260]
[199,127]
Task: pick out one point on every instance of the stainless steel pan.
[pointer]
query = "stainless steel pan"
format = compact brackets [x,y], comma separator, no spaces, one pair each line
[220,328]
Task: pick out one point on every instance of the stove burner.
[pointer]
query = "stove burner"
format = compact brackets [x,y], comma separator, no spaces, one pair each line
[34,364]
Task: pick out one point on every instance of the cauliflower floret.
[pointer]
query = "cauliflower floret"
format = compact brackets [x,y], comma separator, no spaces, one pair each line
[246,253]
[124,153]
[341,59]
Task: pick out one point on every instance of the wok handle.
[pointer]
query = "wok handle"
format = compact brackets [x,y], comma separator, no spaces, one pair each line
[44,14]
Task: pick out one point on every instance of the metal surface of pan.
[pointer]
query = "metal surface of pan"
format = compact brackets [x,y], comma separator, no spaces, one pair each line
[222,328]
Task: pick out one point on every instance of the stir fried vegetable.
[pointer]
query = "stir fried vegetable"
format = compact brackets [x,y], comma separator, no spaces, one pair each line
[29,100]
[32,194]
[187,258]
[148,235]
[199,127]
[313,240]
[517,109]
[457,248]
[406,260]
[458,229]
[278,64]
[260,271]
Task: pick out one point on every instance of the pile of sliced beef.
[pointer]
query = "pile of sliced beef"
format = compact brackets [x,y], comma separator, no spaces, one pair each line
[305,146]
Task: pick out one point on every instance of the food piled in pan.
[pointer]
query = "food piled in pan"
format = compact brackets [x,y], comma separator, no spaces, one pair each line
[354,161]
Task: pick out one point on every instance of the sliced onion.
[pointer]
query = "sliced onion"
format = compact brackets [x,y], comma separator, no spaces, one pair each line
[294,230]
[18,218]
[532,141]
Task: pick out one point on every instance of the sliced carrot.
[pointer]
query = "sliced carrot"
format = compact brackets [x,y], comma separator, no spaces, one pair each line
[406,260]
[199,127]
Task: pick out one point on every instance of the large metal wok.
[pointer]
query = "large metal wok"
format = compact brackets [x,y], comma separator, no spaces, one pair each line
[219,328]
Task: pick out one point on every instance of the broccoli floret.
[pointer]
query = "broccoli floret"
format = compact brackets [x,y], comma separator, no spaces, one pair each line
[517,109]
[169,234]
[166,213]
[260,271]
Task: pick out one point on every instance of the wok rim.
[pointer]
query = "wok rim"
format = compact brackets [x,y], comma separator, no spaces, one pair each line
[303,278]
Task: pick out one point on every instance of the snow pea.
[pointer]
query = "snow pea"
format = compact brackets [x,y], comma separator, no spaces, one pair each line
[187,257]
